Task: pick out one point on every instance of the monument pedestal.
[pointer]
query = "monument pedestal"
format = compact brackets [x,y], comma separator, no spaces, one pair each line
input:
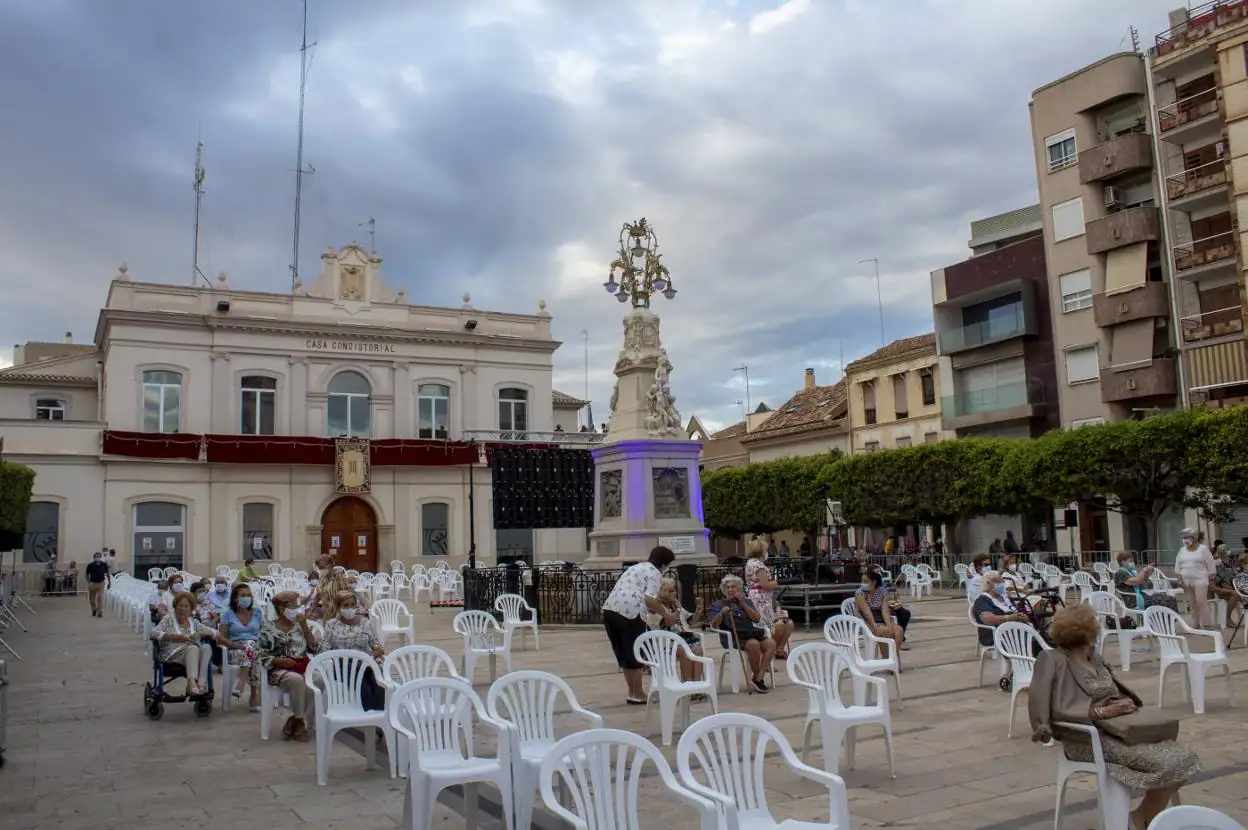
[648,494]
[647,490]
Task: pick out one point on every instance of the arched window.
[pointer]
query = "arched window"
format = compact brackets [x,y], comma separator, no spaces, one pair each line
[348,405]
[162,401]
[258,404]
[513,413]
[433,409]
[257,530]
[159,535]
[49,409]
[434,528]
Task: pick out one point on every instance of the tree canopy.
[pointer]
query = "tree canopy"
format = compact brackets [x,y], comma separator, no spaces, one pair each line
[1195,458]
[16,483]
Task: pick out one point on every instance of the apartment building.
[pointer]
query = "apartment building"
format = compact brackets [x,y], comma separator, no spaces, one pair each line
[1199,81]
[894,396]
[994,335]
[1109,265]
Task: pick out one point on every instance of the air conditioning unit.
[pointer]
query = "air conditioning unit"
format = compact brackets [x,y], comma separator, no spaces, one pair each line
[1113,196]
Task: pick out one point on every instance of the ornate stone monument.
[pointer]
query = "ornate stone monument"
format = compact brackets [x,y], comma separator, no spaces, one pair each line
[646,484]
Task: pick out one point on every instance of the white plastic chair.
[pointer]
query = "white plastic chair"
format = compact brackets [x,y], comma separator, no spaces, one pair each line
[1112,611]
[1191,817]
[1083,581]
[393,618]
[853,638]
[849,607]
[1013,641]
[513,607]
[601,771]
[658,650]
[916,581]
[1169,629]
[730,662]
[929,574]
[818,668]
[962,572]
[435,717]
[981,651]
[527,701]
[336,678]
[724,758]
[421,584]
[483,637]
[1113,797]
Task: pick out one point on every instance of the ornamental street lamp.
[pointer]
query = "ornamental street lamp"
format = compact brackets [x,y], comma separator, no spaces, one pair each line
[638,271]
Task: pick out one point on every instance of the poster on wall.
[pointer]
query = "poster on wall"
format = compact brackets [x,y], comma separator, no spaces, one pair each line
[361,541]
[147,543]
[171,543]
[335,542]
[257,543]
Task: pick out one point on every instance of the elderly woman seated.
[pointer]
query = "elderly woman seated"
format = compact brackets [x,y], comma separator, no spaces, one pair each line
[668,598]
[740,623]
[284,649]
[182,639]
[1072,684]
[994,607]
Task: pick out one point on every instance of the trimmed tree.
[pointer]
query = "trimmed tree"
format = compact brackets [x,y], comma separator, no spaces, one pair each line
[1140,468]
[764,497]
[16,484]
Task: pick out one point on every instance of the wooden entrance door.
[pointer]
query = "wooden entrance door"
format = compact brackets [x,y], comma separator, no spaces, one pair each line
[349,534]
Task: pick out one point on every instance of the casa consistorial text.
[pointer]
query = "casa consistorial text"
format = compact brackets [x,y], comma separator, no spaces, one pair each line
[353,346]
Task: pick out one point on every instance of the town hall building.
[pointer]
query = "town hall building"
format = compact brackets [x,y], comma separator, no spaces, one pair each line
[207,424]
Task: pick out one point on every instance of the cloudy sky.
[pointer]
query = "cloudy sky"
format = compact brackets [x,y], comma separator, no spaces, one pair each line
[500,145]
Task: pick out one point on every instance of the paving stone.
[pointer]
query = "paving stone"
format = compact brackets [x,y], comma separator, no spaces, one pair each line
[82,755]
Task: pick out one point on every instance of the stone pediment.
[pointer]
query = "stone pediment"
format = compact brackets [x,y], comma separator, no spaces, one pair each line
[351,277]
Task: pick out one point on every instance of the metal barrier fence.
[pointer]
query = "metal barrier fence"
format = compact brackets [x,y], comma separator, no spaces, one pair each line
[574,596]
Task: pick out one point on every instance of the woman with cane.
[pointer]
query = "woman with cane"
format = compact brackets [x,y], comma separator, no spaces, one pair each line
[736,617]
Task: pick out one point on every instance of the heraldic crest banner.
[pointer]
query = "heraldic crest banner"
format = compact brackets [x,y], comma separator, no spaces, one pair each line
[352,470]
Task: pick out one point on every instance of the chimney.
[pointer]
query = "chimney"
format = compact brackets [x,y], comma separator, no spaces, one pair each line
[69,337]
[19,354]
[810,379]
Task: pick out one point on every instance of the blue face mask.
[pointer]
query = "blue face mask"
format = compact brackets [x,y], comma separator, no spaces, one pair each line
[1001,589]
[244,602]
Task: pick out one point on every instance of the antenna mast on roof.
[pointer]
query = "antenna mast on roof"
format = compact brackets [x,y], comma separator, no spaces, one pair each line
[299,171]
[197,274]
[1135,39]
[371,224]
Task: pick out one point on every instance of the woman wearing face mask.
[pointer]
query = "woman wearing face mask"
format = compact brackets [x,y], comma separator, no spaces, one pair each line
[177,585]
[324,604]
[180,638]
[205,611]
[283,649]
[219,596]
[1196,569]
[994,607]
[240,629]
[350,630]
[871,600]
[1133,585]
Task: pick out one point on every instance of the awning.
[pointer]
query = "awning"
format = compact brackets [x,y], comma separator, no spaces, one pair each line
[1126,268]
[1131,343]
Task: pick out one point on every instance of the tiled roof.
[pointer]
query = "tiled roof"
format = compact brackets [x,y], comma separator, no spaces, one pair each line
[897,348]
[810,409]
[733,431]
[31,378]
[564,399]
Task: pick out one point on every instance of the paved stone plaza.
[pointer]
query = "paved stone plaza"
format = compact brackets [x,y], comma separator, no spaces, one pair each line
[81,754]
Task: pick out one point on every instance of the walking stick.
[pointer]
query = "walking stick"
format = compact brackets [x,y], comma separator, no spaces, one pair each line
[745,668]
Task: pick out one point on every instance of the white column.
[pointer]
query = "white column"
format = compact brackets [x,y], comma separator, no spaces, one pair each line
[297,398]
[221,411]
[401,382]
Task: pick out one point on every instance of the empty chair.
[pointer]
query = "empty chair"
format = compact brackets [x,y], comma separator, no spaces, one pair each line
[868,653]
[1016,642]
[1083,581]
[601,771]
[962,572]
[527,701]
[436,717]
[393,618]
[337,679]
[483,637]
[1169,629]
[658,650]
[818,667]
[930,574]
[513,607]
[1112,611]
[1191,817]
[723,758]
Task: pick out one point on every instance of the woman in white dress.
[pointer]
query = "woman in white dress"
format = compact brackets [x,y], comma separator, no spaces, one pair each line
[1196,568]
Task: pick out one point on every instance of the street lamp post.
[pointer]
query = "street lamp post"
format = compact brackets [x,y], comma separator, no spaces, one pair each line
[879,293]
[638,271]
[746,370]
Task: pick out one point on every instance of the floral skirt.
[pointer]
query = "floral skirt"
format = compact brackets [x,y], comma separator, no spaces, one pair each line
[246,658]
[1141,766]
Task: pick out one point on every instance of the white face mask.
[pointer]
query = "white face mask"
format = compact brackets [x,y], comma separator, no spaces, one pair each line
[222,588]
[346,613]
[176,587]
[1013,567]
[291,614]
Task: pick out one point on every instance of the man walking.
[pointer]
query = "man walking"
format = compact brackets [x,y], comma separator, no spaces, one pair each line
[97,578]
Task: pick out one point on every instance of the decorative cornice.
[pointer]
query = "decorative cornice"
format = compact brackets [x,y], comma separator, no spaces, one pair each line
[325,330]
[17,379]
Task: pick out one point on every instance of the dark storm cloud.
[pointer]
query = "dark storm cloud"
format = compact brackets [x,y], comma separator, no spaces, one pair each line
[501,143]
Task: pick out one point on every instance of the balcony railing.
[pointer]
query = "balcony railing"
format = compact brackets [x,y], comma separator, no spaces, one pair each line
[1196,180]
[975,401]
[1211,325]
[1206,251]
[1007,322]
[1186,110]
[1202,21]
[528,436]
